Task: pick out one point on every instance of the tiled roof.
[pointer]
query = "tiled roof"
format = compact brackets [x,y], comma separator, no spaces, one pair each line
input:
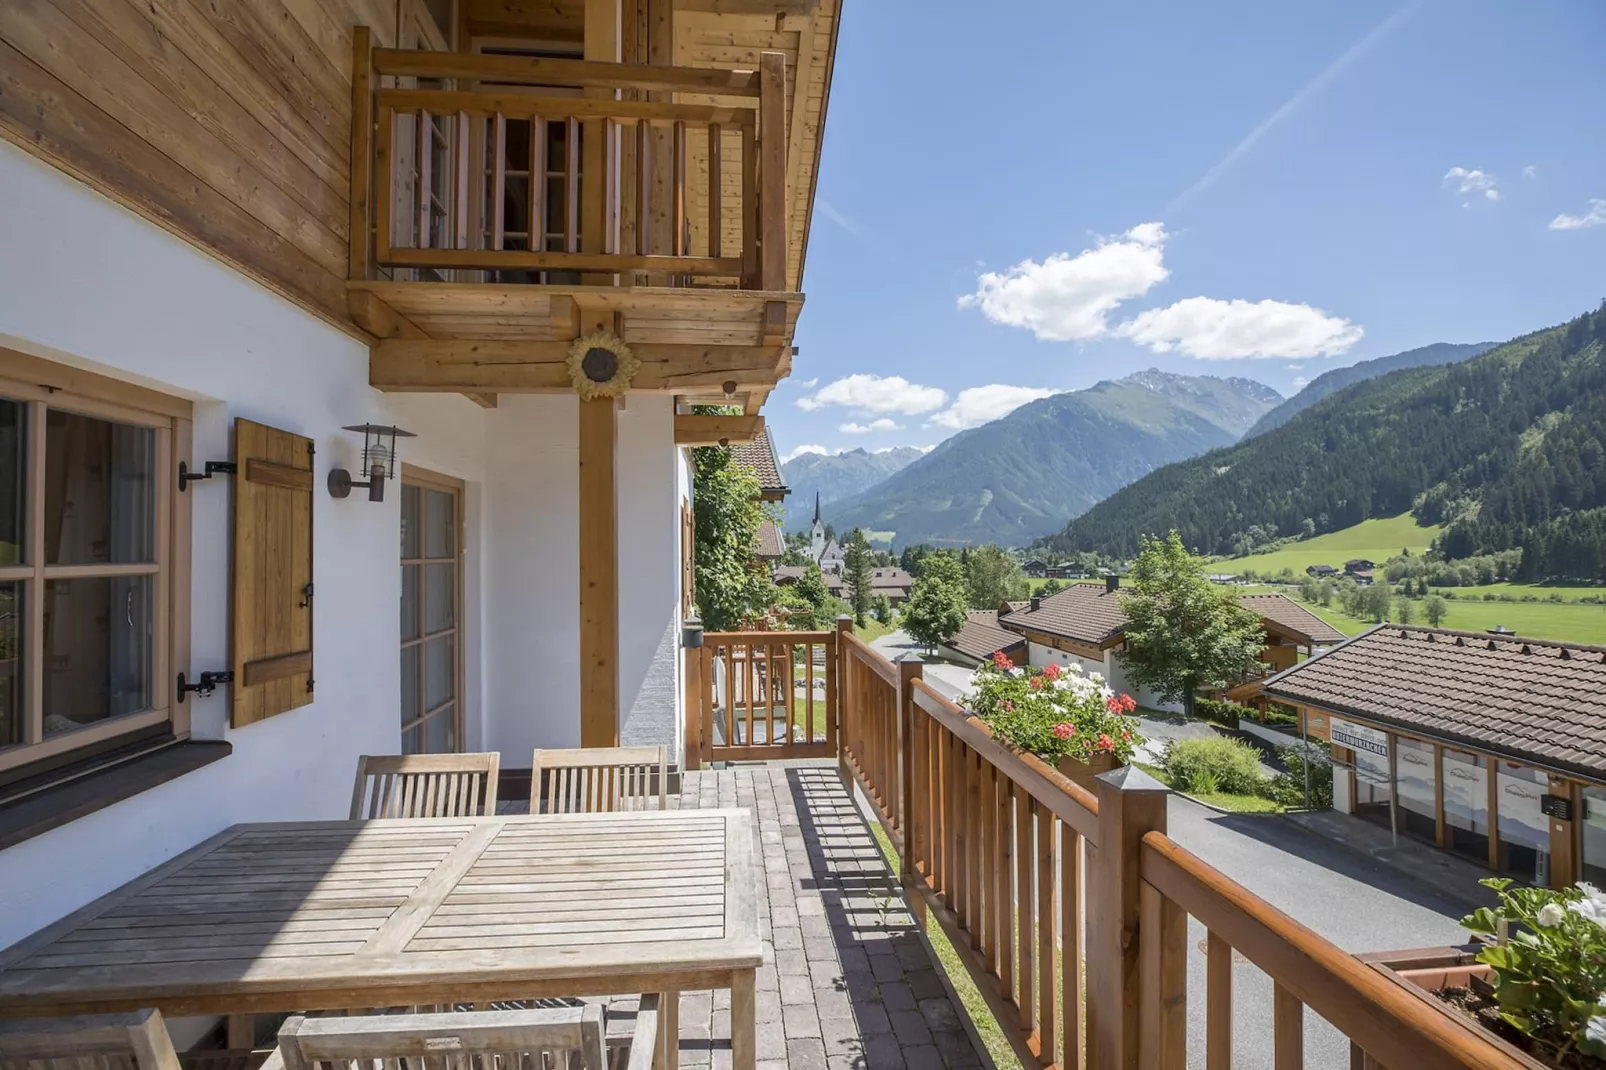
[759,455]
[1530,699]
[1291,616]
[767,540]
[1090,613]
[1085,612]
[981,637]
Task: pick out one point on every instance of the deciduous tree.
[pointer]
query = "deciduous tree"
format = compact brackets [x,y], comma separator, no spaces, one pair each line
[729,587]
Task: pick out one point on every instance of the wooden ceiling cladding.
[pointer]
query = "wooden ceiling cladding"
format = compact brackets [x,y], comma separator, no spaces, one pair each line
[227,123]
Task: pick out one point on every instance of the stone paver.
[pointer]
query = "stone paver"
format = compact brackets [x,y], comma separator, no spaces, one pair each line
[846,982]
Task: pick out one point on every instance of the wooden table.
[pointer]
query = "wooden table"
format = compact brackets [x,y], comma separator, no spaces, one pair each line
[351,914]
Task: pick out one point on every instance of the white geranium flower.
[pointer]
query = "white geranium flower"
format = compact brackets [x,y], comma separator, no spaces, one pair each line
[1551,915]
[1596,1029]
[1592,906]
[1096,677]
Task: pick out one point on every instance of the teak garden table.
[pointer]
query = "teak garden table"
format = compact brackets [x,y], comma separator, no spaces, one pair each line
[350,914]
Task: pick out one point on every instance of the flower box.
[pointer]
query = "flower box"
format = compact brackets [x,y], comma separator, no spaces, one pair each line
[1071,720]
[1427,972]
[1082,773]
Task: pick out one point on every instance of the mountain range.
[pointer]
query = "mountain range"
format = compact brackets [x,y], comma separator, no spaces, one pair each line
[1507,450]
[1024,475]
[834,476]
[1337,379]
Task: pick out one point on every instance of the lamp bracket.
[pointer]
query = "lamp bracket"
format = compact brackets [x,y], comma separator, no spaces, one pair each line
[212,468]
[207,684]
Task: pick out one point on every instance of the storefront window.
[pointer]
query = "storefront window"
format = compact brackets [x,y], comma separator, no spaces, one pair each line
[1523,829]
[1372,787]
[1466,805]
[1417,782]
[1594,816]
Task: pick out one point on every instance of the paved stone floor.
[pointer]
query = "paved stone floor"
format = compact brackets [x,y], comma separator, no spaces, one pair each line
[847,982]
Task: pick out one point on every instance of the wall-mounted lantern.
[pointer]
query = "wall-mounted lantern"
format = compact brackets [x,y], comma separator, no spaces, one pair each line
[378,462]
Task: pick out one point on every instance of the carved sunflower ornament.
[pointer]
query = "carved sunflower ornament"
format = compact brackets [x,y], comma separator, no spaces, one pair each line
[601,365]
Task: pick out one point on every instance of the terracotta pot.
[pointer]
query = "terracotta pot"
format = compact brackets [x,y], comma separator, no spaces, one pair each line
[1082,773]
[1426,970]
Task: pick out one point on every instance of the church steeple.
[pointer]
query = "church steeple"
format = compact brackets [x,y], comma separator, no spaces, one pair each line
[816,507]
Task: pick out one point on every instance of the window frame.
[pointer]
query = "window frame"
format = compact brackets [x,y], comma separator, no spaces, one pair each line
[425,480]
[43,385]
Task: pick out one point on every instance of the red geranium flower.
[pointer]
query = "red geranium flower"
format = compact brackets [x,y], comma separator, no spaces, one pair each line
[1009,707]
[1052,671]
[1003,662]
[1128,703]
[1064,730]
[1113,704]
[1105,742]
[1035,683]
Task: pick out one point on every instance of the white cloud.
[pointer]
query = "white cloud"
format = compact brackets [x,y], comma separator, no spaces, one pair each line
[1472,182]
[981,404]
[1065,298]
[1296,367]
[1222,330]
[1595,217]
[1300,382]
[883,424]
[875,393]
[1530,171]
[806,384]
[801,450]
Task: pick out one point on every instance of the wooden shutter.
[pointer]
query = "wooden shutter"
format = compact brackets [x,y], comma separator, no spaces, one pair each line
[272,572]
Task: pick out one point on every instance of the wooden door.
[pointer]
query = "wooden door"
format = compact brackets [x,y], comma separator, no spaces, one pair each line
[431,613]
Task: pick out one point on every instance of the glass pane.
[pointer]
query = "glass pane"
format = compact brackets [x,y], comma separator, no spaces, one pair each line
[410,708]
[409,522]
[440,597]
[100,491]
[1466,805]
[440,671]
[413,740]
[440,732]
[409,602]
[12,711]
[1372,787]
[13,420]
[1418,784]
[439,521]
[1523,829]
[1595,836]
[98,645]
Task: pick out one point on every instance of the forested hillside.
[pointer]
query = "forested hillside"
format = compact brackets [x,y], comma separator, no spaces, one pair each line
[1332,382]
[835,476]
[1507,450]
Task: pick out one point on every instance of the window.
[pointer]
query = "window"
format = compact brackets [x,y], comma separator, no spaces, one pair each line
[1594,833]
[88,568]
[1417,783]
[1523,829]
[1466,805]
[431,605]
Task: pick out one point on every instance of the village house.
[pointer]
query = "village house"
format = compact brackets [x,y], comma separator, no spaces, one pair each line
[485,231]
[1321,572]
[1358,564]
[758,455]
[1492,747]
[1034,568]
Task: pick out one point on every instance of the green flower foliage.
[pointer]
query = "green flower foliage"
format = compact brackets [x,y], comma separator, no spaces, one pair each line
[1053,712]
[729,588]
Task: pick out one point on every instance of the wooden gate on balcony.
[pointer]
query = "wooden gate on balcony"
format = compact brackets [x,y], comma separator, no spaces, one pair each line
[757,695]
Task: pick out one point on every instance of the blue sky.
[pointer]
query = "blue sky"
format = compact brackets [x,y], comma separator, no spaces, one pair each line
[1035,195]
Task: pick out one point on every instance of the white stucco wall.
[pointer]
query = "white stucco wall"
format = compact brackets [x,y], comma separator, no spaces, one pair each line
[1114,673]
[88,283]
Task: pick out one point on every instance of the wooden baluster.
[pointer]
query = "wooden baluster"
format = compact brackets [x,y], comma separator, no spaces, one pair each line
[425,137]
[1288,1029]
[707,690]
[808,688]
[682,237]
[1071,945]
[1003,875]
[536,241]
[460,186]
[978,856]
[1024,914]
[988,809]
[643,187]
[750,207]
[749,673]
[359,221]
[571,186]
[772,120]
[730,693]
[1045,934]
[498,180]
[1218,1004]
[715,178]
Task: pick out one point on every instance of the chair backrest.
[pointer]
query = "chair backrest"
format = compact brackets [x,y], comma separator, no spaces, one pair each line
[597,779]
[547,1036]
[136,1040]
[425,785]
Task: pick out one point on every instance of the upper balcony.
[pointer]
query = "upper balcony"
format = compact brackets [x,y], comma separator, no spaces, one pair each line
[502,205]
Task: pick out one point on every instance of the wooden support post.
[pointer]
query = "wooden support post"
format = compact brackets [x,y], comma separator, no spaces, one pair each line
[911,667]
[362,140]
[696,696]
[844,699]
[599,577]
[772,170]
[1131,804]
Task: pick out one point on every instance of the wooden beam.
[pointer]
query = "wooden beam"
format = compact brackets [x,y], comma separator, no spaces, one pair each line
[599,577]
[362,139]
[773,331]
[773,135]
[372,314]
[588,260]
[570,72]
[484,401]
[444,366]
[697,430]
[771,8]
[755,401]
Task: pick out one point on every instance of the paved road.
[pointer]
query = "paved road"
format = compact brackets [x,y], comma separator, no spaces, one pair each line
[951,680]
[1352,900]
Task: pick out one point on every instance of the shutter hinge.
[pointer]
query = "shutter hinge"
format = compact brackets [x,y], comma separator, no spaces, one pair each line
[207,684]
[212,468]
[309,685]
[306,596]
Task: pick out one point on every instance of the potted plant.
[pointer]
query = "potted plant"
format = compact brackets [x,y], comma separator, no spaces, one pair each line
[1067,718]
[1535,983]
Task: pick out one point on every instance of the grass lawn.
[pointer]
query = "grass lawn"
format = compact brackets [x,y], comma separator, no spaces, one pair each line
[1377,540]
[873,629]
[1238,804]
[1566,621]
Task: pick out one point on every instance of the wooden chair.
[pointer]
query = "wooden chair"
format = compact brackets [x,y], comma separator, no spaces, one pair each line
[600,779]
[136,1040]
[570,1038]
[425,785]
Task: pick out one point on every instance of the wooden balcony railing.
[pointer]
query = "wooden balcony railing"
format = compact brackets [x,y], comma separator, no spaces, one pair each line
[756,695]
[1039,884]
[515,169]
